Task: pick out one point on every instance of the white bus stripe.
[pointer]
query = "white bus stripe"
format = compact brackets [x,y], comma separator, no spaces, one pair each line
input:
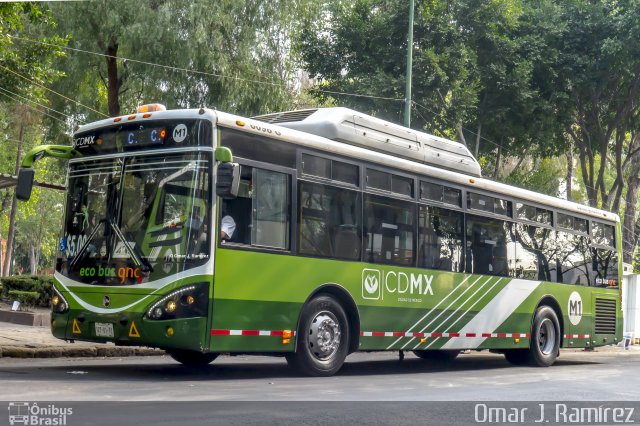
[465,312]
[431,310]
[447,308]
[470,307]
[494,313]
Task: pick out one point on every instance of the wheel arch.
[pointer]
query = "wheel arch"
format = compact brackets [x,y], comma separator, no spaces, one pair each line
[551,302]
[348,304]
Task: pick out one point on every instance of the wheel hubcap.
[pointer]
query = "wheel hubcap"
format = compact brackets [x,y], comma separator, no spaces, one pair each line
[547,337]
[324,336]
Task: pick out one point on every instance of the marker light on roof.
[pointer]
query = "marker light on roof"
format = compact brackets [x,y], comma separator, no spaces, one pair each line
[151,108]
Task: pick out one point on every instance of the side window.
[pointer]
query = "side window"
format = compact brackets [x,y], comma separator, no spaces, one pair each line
[330,220]
[573,258]
[535,253]
[603,234]
[489,204]
[605,267]
[389,230]
[440,239]
[259,216]
[489,247]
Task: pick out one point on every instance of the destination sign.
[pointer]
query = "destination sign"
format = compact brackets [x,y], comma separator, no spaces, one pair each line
[155,134]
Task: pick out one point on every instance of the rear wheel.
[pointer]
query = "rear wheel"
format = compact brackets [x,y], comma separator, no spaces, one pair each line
[322,342]
[545,337]
[192,358]
[440,356]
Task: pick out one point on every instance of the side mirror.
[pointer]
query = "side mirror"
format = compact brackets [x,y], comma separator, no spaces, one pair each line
[228,180]
[25,184]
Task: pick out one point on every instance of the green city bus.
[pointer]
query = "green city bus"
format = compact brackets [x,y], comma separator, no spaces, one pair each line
[313,234]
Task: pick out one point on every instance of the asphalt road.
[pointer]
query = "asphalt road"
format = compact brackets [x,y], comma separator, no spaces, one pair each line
[403,389]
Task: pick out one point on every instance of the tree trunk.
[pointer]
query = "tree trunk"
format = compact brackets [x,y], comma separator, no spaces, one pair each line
[463,141]
[629,229]
[33,261]
[478,139]
[569,172]
[113,81]
[14,208]
[498,159]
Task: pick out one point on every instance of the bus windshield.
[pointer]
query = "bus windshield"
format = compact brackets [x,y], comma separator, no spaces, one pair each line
[135,219]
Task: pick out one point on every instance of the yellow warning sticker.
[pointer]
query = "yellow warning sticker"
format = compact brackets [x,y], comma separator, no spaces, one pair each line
[133,331]
[76,327]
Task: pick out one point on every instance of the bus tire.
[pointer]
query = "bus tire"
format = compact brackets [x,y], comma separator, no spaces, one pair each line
[322,341]
[192,359]
[545,337]
[438,356]
[517,356]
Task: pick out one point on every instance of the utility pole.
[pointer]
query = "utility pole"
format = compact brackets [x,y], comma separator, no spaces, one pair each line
[407,99]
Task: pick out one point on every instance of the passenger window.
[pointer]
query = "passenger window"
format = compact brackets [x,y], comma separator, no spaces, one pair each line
[389,230]
[490,248]
[489,204]
[402,185]
[316,166]
[378,180]
[535,253]
[605,267]
[440,240]
[259,216]
[573,258]
[603,234]
[330,221]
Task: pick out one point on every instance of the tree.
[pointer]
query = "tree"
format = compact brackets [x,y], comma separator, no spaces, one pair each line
[23,73]
[594,82]
[230,55]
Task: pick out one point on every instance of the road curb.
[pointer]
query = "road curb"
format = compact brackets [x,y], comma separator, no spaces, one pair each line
[76,352]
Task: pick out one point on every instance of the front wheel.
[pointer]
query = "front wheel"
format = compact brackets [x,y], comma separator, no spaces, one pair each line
[322,342]
[192,359]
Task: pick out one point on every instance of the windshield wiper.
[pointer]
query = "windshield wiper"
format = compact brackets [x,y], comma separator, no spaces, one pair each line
[139,260]
[86,244]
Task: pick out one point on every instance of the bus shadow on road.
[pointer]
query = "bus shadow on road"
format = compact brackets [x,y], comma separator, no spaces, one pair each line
[246,367]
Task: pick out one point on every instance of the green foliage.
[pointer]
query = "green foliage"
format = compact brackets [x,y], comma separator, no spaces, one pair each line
[542,175]
[232,55]
[27,298]
[42,286]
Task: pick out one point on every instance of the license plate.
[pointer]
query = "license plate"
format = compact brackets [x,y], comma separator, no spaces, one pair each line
[104,329]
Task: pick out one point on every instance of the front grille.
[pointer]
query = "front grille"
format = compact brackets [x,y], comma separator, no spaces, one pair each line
[285,117]
[605,316]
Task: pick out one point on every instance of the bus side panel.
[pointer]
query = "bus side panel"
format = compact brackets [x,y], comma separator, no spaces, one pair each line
[257,296]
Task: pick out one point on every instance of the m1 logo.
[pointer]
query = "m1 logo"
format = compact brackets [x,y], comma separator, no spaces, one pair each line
[575,308]
[371,288]
[179,133]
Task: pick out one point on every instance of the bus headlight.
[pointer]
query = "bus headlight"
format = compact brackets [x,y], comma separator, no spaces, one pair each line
[186,302]
[59,304]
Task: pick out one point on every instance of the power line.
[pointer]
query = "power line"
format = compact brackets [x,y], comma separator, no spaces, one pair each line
[463,128]
[33,108]
[356,95]
[52,91]
[33,102]
[205,73]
